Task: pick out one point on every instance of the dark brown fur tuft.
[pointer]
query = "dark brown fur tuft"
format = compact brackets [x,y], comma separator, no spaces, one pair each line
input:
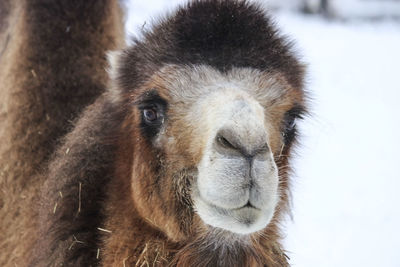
[222,34]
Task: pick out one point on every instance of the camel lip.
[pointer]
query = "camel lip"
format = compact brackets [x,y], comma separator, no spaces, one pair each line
[248,205]
[242,220]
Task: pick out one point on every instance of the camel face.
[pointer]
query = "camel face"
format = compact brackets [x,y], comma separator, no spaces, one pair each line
[224,130]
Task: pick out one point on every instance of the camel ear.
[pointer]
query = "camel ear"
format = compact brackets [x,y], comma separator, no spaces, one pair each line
[113,59]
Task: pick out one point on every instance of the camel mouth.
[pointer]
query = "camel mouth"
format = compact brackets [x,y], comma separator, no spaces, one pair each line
[245,219]
[248,205]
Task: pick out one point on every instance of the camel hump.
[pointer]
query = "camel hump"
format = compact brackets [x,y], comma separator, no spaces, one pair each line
[52,58]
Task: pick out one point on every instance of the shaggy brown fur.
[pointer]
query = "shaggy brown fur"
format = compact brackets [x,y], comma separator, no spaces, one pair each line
[52,58]
[111,197]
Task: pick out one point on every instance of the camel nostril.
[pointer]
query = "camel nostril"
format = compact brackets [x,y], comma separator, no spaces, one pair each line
[230,142]
[224,142]
[262,149]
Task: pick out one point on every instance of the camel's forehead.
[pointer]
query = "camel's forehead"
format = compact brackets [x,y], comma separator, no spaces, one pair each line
[191,84]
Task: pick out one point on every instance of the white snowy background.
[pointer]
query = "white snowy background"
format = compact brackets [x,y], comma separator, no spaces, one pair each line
[346,193]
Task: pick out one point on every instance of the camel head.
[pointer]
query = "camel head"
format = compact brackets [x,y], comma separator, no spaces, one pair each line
[210,131]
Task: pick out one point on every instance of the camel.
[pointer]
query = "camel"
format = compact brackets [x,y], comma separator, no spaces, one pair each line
[183,159]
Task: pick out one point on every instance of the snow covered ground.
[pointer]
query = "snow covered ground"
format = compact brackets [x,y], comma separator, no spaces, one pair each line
[347,185]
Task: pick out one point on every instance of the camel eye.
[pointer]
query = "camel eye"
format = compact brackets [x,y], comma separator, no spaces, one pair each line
[150,114]
[289,129]
[153,112]
[289,123]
